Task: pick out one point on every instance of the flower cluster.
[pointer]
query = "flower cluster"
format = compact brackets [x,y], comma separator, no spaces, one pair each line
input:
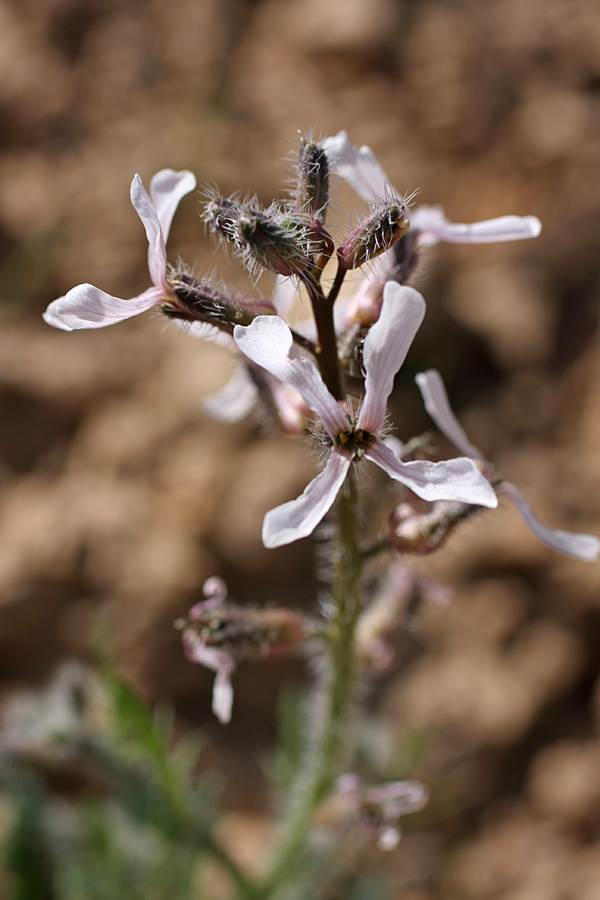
[301,374]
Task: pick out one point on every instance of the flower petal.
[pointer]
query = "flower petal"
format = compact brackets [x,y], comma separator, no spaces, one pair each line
[52,315]
[234,401]
[286,288]
[582,546]
[167,189]
[437,405]
[359,168]
[434,227]
[298,518]
[385,349]
[219,661]
[157,251]
[453,479]
[267,341]
[86,306]
[222,698]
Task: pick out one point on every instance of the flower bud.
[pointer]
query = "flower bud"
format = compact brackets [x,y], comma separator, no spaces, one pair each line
[221,215]
[385,623]
[375,234]
[199,301]
[269,245]
[422,532]
[312,191]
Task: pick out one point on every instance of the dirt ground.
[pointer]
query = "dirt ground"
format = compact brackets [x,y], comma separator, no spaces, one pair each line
[118,497]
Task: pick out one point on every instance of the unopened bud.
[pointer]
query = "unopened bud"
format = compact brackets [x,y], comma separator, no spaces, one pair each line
[375,234]
[312,192]
[199,301]
[422,532]
[221,215]
[270,245]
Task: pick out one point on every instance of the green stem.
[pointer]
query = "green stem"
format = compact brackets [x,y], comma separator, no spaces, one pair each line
[328,750]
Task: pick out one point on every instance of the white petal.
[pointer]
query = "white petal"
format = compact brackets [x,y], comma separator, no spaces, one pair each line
[434,227]
[454,479]
[222,698]
[437,405]
[299,518]
[399,798]
[267,341]
[167,189]
[582,546]
[157,251]
[86,306]
[286,288]
[202,331]
[52,315]
[359,168]
[385,349]
[388,838]
[234,401]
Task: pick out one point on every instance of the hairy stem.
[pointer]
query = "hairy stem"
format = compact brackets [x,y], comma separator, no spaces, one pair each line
[329,746]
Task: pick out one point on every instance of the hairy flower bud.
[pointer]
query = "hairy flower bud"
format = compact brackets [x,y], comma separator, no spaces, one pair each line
[312,191]
[199,301]
[375,234]
[221,215]
[269,244]
[264,239]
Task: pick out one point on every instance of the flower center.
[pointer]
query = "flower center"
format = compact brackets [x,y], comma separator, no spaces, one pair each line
[355,441]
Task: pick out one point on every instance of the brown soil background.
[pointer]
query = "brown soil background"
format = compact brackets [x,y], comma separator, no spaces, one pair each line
[118,498]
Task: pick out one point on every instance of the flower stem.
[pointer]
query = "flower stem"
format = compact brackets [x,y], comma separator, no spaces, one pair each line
[327,355]
[329,746]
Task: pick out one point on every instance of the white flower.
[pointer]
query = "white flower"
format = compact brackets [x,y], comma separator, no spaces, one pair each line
[85,306]
[238,397]
[360,168]
[267,342]
[582,546]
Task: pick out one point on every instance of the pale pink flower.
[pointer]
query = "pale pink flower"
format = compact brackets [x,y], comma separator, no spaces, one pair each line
[377,810]
[199,648]
[219,634]
[86,306]
[267,342]
[428,224]
[238,397]
[361,169]
[582,546]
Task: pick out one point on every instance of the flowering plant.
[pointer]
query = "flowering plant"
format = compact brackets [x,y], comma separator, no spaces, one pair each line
[330,379]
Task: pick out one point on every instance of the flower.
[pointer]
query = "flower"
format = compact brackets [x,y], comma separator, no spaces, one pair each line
[428,225]
[582,546]
[363,172]
[219,634]
[375,811]
[267,342]
[85,306]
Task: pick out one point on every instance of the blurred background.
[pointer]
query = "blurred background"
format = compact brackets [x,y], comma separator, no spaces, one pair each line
[118,498]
